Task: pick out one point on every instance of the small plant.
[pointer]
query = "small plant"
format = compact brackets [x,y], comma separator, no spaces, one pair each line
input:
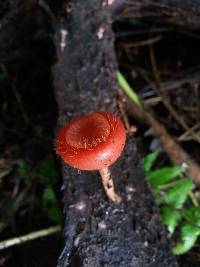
[179,208]
[48,177]
[45,178]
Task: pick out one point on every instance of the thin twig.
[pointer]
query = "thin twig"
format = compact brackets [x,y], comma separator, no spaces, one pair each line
[31,236]
[134,32]
[190,34]
[131,129]
[152,101]
[165,99]
[149,41]
[189,78]
[186,136]
[123,113]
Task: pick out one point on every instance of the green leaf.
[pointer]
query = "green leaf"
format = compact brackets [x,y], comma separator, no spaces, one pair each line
[170,218]
[163,175]
[48,173]
[193,215]
[149,160]
[128,89]
[189,235]
[177,195]
[51,205]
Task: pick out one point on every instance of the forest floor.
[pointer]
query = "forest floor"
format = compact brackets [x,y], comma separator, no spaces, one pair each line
[30,181]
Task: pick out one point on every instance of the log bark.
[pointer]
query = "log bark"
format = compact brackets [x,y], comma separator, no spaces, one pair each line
[97,231]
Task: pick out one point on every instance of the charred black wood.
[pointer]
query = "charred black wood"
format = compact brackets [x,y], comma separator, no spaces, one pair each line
[97,231]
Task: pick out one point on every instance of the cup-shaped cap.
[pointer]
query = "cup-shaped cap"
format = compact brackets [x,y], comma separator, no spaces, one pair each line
[91,142]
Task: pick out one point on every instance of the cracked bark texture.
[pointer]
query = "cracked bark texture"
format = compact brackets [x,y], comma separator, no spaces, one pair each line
[99,232]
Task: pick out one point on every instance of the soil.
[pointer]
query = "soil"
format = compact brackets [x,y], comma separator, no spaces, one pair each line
[28,118]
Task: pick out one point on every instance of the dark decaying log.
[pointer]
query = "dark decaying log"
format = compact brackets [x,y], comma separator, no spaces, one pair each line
[97,231]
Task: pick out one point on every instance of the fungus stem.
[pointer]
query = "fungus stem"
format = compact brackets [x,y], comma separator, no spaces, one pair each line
[109,185]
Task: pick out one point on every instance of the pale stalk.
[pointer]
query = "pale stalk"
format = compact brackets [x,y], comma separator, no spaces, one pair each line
[109,185]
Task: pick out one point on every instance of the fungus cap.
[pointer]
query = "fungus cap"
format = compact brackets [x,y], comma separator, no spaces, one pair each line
[91,142]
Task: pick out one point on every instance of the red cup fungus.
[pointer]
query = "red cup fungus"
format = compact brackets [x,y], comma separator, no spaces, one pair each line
[93,142]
